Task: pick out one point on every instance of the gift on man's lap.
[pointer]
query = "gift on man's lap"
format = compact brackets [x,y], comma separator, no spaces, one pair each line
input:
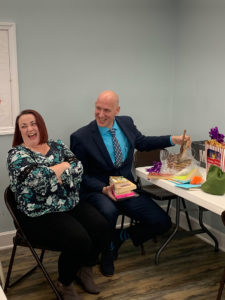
[123,188]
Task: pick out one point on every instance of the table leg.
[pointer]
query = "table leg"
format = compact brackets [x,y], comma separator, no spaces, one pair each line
[191,232]
[172,234]
[204,229]
[186,214]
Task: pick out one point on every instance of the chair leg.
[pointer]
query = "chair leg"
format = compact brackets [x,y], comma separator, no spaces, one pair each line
[39,264]
[122,221]
[10,267]
[44,271]
[219,295]
[7,283]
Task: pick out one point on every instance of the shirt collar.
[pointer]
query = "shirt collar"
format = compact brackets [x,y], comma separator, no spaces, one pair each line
[105,130]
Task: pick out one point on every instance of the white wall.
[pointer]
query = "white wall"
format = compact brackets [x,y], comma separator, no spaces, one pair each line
[200,67]
[199,87]
[166,60]
[70,50]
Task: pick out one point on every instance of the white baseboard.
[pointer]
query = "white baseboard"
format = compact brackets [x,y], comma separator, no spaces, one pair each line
[7,237]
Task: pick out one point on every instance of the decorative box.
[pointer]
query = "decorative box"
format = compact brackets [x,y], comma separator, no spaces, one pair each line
[215,155]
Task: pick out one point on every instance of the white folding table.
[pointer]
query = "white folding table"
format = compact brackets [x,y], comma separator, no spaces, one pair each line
[203,200]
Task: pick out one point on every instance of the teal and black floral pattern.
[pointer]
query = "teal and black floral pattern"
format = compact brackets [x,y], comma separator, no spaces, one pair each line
[36,186]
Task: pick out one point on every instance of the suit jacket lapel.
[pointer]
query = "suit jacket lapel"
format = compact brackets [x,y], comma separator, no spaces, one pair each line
[127,131]
[100,143]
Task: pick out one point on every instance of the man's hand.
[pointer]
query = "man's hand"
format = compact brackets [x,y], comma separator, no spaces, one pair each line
[178,139]
[107,190]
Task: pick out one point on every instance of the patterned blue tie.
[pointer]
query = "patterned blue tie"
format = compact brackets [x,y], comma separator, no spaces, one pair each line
[117,149]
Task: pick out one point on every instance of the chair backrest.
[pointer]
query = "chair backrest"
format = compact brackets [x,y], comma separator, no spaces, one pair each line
[146,158]
[11,205]
[17,215]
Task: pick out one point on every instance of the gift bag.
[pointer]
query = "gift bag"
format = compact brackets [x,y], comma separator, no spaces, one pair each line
[215,181]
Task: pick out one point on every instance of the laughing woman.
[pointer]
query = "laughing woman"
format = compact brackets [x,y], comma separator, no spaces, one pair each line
[45,177]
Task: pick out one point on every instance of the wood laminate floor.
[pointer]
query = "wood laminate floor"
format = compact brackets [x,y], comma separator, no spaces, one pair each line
[188,269]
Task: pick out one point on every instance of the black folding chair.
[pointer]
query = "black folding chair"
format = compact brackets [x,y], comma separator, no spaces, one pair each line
[20,239]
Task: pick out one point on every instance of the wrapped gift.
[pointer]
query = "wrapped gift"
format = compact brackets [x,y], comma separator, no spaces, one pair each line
[121,184]
[215,155]
[215,150]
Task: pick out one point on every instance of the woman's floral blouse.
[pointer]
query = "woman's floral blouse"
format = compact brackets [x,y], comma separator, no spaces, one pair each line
[36,186]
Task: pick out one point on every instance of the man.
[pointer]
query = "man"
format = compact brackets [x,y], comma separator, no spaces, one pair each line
[94,145]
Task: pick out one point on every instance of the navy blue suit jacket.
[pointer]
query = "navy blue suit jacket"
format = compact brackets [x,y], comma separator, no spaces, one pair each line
[88,146]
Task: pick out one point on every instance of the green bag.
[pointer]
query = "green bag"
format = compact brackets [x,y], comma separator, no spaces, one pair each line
[215,181]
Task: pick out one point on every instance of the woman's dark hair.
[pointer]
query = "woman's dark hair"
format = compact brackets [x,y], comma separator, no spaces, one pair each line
[17,139]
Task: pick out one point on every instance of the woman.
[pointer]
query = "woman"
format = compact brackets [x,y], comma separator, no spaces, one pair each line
[45,177]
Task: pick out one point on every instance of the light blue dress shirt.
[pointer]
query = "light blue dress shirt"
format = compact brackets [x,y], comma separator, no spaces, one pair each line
[122,139]
[171,141]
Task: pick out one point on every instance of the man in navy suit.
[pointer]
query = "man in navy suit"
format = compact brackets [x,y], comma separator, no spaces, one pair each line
[93,145]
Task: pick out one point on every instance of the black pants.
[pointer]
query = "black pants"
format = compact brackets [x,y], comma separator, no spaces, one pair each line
[80,235]
[153,220]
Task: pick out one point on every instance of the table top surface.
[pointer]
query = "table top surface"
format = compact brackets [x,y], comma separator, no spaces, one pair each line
[213,203]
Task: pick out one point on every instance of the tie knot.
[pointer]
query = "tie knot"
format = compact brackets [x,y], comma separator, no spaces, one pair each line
[112,131]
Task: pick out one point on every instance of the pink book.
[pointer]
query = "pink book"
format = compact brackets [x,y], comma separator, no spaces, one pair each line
[125,195]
